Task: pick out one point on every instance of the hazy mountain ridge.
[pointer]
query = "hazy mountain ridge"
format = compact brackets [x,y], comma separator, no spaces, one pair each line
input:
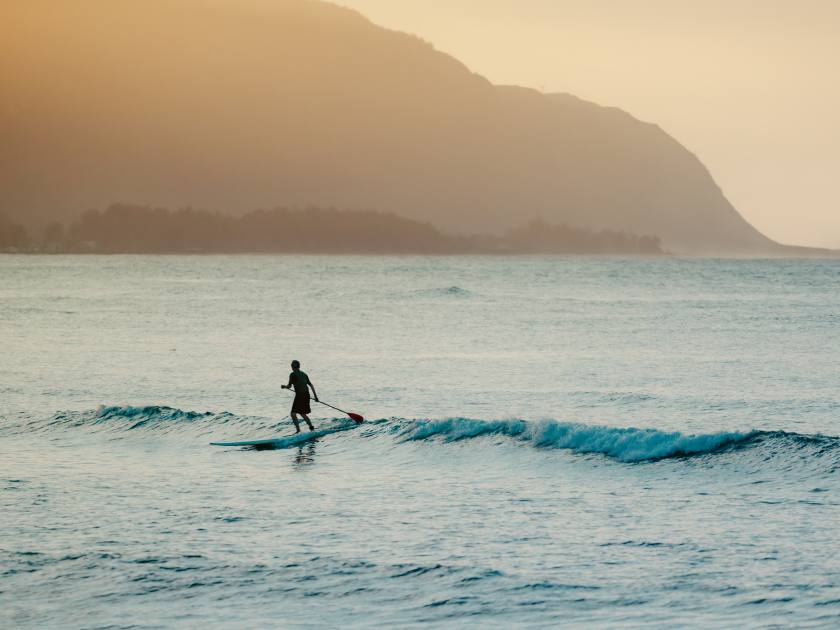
[133,229]
[302,102]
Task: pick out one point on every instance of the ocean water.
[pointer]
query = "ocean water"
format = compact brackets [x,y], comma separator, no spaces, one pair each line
[550,442]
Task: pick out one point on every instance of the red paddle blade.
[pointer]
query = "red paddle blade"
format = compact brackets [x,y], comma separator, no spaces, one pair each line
[356,417]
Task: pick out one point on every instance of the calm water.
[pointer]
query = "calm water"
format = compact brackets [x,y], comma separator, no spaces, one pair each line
[551,441]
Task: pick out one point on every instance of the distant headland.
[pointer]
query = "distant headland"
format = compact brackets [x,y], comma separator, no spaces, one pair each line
[134,229]
[232,105]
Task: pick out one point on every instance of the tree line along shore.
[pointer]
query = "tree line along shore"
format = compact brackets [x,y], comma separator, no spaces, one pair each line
[135,229]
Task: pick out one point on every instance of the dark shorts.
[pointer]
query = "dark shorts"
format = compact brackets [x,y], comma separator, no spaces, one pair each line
[301,404]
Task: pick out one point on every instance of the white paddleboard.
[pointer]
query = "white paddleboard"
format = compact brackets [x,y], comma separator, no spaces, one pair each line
[286,442]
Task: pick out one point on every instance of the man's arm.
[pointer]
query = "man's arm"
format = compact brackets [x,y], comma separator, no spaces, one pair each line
[289,386]
[314,393]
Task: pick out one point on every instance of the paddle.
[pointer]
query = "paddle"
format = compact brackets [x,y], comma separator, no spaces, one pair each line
[353,416]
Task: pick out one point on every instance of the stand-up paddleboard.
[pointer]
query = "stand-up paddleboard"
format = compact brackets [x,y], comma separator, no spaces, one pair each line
[288,441]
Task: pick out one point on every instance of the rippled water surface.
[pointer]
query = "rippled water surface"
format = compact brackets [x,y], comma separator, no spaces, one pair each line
[549,441]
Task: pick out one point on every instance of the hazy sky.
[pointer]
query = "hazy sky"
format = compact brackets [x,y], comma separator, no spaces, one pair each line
[750,86]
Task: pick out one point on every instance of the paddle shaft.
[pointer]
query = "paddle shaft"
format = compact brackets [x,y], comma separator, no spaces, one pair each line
[331,407]
[354,416]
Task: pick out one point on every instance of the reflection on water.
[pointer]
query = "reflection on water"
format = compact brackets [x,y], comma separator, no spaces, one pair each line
[305,455]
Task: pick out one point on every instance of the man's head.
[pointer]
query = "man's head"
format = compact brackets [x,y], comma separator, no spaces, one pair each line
[295,364]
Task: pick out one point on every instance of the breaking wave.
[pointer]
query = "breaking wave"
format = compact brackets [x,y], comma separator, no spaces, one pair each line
[628,445]
[625,445]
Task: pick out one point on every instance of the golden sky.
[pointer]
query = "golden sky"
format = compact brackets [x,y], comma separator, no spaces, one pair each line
[751,86]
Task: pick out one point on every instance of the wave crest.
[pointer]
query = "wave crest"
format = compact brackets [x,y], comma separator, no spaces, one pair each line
[149,412]
[625,445]
[791,451]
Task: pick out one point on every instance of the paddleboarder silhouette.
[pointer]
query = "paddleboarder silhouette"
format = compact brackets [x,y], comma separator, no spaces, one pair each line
[301,383]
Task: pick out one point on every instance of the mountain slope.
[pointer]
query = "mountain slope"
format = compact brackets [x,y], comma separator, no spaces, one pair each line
[233,106]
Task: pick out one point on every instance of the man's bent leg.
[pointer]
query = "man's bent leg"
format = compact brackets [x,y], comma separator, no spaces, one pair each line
[308,421]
